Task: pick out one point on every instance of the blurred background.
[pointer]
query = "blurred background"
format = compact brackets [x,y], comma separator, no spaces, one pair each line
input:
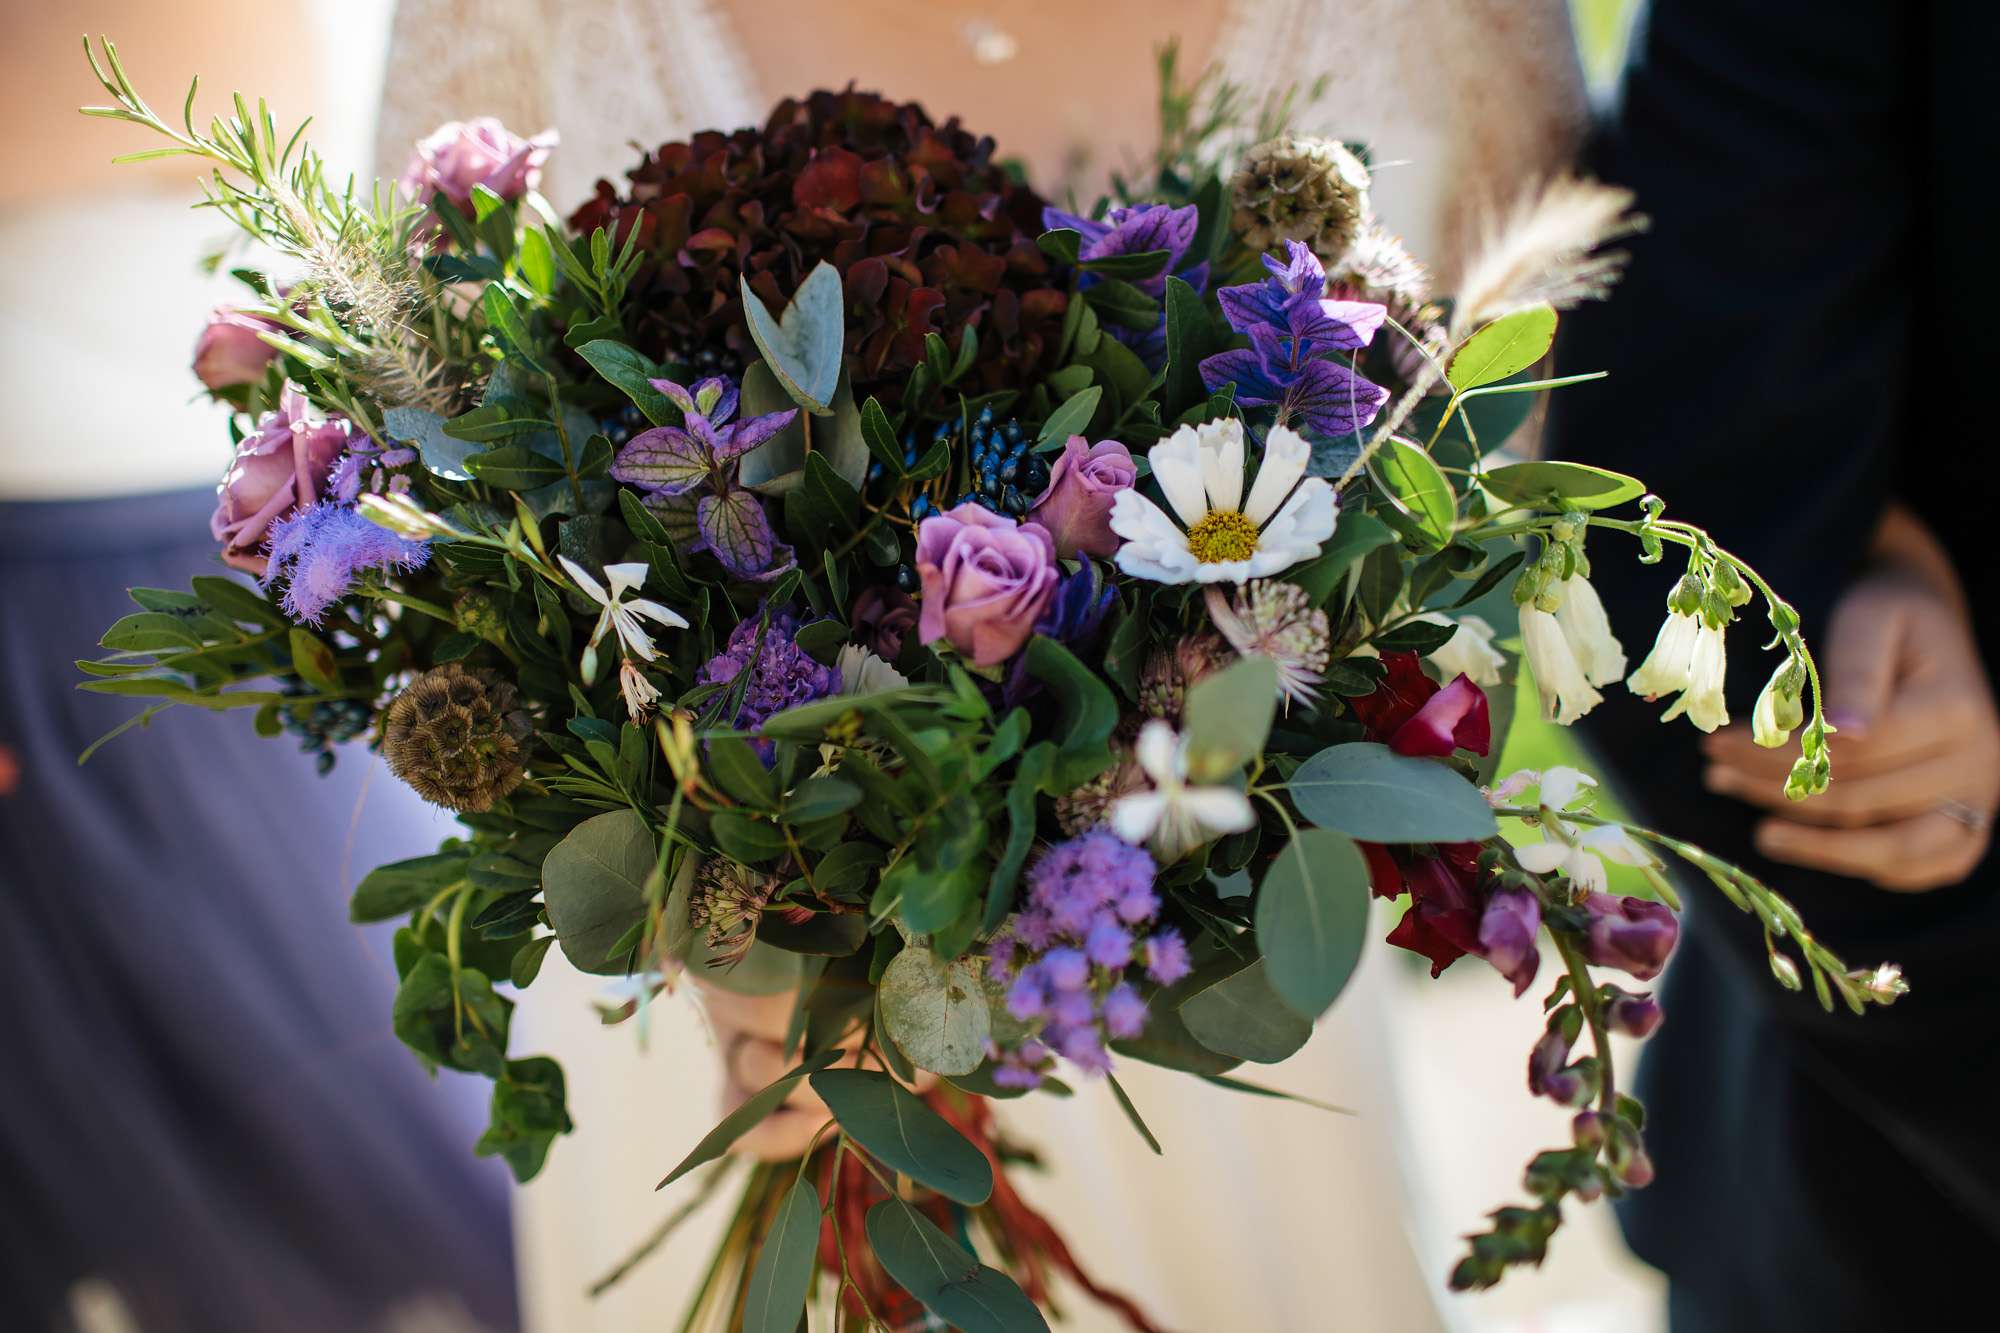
[100,300]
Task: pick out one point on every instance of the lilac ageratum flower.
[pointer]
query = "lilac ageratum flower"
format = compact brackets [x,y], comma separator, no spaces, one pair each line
[1124,1012]
[1135,230]
[1507,931]
[276,470]
[669,463]
[1167,957]
[781,674]
[321,550]
[1293,328]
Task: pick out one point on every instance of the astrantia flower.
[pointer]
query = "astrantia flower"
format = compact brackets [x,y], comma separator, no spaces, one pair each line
[1173,818]
[1217,535]
[1566,692]
[1578,853]
[320,551]
[704,452]
[1277,621]
[1170,669]
[619,614]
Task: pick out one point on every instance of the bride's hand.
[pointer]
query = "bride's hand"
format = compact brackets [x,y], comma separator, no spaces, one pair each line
[750,1039]
[1917,757]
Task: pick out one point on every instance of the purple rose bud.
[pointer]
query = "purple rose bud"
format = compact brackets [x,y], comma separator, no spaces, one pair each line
[1076,505]
[1631,1015]
[1630,934]
[1507,935]
[461,154]
[986,580]
[1124,1012]
[276,471]
[881,617]
[230,350]
[1108,944]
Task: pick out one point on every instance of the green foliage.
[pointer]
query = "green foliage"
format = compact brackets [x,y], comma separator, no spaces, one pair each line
[1507,346]
[782,1276]
[594,882]
[803,345]
[947,1279]
[1312,919]
[1368,791]
[896,1128]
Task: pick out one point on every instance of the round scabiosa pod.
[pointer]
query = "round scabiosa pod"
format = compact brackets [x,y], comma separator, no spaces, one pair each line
[1295,188]
[456,737]
[928,233]
[1164,680]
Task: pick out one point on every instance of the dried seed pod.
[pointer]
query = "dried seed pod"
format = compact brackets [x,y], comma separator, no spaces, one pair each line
[457,738]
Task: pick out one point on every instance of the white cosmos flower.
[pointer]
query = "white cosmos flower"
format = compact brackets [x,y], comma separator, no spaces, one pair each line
[1688,658]
[1469,652]
[619,614]
[1174,818]
[1215,535]
[863,672]
[1588,629]
[1578,853]
[1567,693]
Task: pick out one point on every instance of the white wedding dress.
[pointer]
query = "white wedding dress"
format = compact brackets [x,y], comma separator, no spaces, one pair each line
[1262,1215]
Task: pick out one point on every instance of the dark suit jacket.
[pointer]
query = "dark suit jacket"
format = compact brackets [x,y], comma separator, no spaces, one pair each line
[1808,331]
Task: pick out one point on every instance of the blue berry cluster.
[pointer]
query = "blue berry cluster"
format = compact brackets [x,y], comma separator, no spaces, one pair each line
[1006,475]
[328,723]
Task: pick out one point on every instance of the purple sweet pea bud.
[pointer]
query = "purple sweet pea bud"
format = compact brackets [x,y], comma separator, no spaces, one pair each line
[1549,1076]
[1588,1130]
[1507,932]
[1453,719]
[1630,934]
[1631,1014]
[1630,1164]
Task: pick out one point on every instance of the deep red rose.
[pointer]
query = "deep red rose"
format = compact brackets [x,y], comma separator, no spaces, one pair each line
[1396,700]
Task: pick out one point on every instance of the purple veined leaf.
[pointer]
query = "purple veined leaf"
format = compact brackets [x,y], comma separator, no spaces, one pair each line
[1054,219]
[676,392]
[1300,272]
[1146,227]
[665,458]
[1324,325]
[1255,385]
[725,398]
[677,515]
[745,435]
[1330,399]
[735,527]
[1252,304]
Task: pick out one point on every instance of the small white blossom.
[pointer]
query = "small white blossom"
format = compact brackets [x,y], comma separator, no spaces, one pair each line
[619,614]
[1470,652]
[1666,668]
[1588,630]
[1688,658]
[863,672]
[640,696]
[1174,818]
[1566,692]
[1579,853]
[1779,711]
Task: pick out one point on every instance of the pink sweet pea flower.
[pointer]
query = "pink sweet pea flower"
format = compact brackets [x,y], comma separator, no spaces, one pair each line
[1455,718]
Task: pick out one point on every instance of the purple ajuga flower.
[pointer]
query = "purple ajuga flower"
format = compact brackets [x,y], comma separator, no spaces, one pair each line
[320,550]
[670,463]
[1293,328]
[1507,935]
[1135,230]
[1631,934]
[781,674]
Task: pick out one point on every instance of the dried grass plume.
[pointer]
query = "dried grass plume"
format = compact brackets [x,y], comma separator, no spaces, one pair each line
[1546,248]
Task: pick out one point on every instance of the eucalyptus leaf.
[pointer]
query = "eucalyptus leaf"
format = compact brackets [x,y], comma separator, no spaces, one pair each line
[1244,1017]
[747,1117]
[782,1276]
[944,1276]
[936,1011]
[1228,718]
[594,886]
[1369,791]
[441,453]
[1312,918]
[803,345]
[900,1131]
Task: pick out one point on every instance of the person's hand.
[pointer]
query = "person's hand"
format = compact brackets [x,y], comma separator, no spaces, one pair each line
[1916,757]
[750,1038]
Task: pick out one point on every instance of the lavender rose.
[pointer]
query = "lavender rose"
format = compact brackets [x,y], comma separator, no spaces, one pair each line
[275,471]
[461,154]
[986,581]
[1076,505]
[229,351]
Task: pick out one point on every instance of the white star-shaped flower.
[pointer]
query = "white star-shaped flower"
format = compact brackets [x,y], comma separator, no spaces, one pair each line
[1174,818]
[620,614]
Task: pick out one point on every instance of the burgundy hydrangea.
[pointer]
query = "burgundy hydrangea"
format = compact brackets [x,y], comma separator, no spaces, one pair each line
[927,231]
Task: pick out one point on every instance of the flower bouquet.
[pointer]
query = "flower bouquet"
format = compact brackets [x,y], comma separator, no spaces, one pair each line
[1030,638]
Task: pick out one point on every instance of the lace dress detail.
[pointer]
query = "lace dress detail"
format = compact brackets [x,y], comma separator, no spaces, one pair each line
[1417,80]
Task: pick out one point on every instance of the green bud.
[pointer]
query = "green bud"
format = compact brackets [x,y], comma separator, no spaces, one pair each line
[1729,585]
[1687,597]
[1780,708]
[1786,971]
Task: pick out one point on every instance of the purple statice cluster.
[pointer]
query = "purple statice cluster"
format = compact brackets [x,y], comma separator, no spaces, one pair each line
[367,467]
[1294,329]
[1065,957]
[781,674]
[322,549]
[1134,230]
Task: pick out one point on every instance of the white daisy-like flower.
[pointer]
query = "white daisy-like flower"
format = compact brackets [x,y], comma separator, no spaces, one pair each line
[619,614]
[1174,818]
[1215,534]
[1579,853]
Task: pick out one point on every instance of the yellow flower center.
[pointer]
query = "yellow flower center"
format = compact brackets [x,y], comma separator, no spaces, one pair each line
[1222,534]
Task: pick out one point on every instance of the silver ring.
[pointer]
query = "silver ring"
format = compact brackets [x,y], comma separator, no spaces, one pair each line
[1958,812]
